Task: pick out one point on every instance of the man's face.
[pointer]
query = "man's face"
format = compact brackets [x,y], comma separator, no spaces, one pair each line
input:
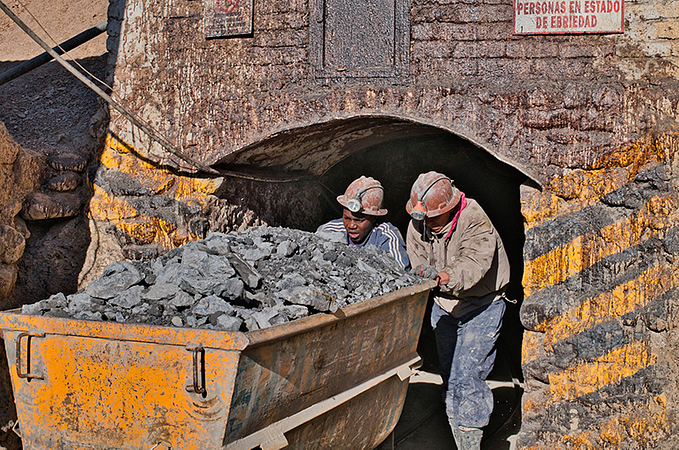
[438,223]
[358,225]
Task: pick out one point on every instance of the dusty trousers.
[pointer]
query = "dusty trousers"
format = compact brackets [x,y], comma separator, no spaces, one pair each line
[466,348]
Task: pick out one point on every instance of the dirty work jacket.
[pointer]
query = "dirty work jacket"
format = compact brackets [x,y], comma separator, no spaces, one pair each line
[383,235]
[474,257]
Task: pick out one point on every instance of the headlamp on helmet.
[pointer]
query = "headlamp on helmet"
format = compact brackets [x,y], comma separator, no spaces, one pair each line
[419,211]
[354,204]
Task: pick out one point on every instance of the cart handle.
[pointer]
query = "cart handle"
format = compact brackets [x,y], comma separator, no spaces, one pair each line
[198,385]
[17,341]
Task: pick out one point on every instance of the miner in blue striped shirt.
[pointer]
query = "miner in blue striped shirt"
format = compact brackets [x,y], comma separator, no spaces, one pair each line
[360,223]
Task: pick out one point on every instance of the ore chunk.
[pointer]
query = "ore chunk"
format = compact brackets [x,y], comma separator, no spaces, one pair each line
[212,304]
[117,277]
[128,299]
[182,300]
[249,275]
[162,291]
[232,289]
[287,248]
[228,323]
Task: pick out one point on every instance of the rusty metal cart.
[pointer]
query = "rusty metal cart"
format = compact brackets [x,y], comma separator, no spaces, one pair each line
[325,381]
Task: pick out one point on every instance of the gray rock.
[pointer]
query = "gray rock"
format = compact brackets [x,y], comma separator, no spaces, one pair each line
[80,301]
[228,323]
[291,281]
[212,304]
[182,300]
[162,291]
[129,298]
[232,289]
[248,274]
[287,248]
[32,309]
[116,278]
[210,283]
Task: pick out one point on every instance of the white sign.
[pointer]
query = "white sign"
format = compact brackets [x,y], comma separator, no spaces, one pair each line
[568,16]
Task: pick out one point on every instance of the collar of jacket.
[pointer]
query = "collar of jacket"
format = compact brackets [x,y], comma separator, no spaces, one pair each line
[447,231]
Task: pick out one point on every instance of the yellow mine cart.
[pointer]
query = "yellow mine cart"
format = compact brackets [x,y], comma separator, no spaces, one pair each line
[324,381]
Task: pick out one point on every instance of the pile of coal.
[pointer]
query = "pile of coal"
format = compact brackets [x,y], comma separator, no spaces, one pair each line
[241,281]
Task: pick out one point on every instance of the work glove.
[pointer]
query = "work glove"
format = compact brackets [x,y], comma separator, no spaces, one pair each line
[426,271]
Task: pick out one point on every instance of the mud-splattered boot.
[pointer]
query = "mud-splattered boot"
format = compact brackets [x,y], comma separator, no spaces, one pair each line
[467,438]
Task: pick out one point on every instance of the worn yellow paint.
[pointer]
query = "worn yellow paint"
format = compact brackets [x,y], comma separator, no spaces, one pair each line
[615,303]
[108,385]
[583,251]
[112,209]
[143,228]
[578,189]
[644,426]
[609,369]
[553,267]
[532,347]
[156,179]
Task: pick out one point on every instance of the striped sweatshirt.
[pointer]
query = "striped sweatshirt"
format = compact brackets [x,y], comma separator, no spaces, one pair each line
[384,236]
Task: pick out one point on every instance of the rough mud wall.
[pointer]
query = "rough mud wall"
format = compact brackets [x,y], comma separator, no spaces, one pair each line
[20,173]
[468,74]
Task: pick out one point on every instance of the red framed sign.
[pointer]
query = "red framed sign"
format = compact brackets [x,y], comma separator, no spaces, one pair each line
[225,18]
[568,16]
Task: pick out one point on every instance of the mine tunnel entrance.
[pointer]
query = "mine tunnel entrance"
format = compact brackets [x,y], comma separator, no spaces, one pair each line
[395,152]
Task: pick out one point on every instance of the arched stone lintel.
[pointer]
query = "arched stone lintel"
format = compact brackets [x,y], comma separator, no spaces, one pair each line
[317,145]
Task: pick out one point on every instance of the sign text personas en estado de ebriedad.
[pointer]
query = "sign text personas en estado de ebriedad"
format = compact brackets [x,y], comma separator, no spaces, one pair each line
[568,16]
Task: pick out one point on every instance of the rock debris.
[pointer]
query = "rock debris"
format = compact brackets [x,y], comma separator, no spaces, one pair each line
[241,281]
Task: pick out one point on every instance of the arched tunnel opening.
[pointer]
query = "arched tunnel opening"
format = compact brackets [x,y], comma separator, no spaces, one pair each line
[328,157]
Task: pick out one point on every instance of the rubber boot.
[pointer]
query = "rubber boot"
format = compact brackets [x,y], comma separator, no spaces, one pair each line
[467,438]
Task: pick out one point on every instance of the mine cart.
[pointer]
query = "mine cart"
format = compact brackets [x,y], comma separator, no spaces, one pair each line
[325,381]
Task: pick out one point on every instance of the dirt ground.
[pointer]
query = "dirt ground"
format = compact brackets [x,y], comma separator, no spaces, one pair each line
[41,108]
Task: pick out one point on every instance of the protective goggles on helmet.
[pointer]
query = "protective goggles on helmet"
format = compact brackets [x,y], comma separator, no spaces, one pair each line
[419,211]
[354,204]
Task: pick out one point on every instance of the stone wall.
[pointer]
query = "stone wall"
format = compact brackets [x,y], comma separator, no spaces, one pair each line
[20,173]
[593,118]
